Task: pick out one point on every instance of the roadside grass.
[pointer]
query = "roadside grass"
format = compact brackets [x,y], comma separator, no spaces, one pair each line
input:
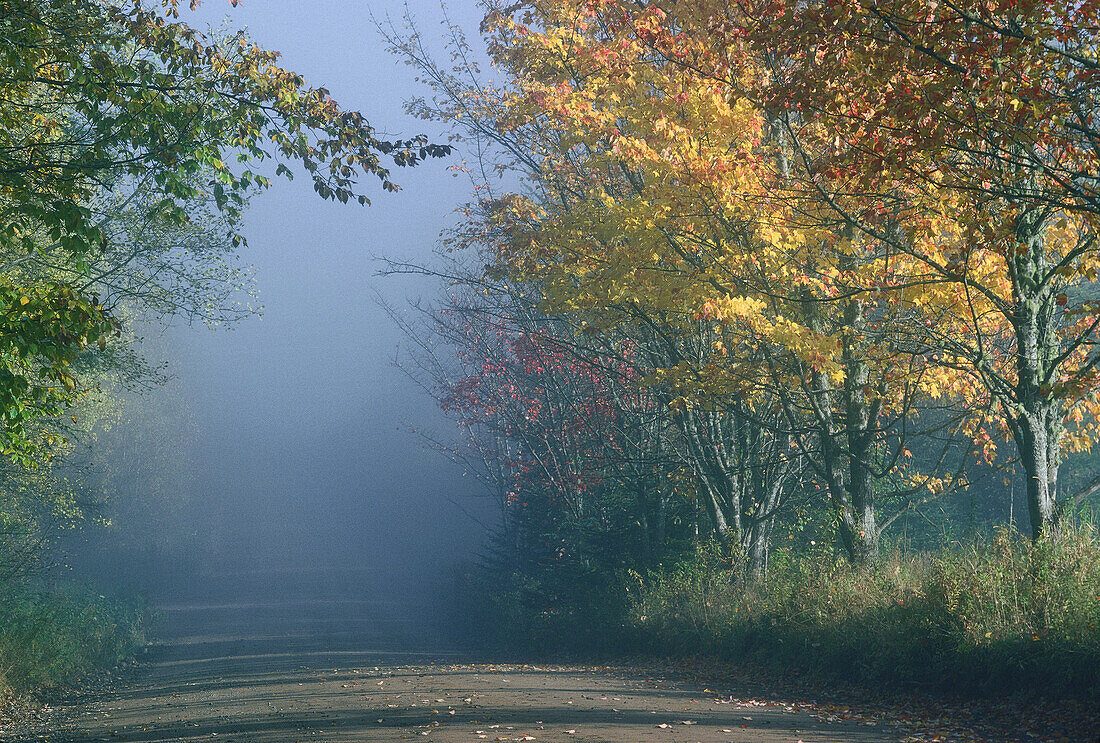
[998,617]
[50,639]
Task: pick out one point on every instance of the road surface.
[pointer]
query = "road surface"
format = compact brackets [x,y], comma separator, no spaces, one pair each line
[323,668]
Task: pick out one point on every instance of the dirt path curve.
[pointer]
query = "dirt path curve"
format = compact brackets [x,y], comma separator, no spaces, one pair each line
[311,673]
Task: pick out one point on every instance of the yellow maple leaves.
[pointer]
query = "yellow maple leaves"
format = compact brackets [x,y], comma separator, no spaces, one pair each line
[665,192]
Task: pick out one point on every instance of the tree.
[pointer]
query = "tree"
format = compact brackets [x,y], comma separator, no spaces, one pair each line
[965,139]
[664,190]
[660,208]
[103,97]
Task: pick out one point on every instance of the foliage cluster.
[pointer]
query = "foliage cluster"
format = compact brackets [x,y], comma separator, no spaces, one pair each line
[123,127]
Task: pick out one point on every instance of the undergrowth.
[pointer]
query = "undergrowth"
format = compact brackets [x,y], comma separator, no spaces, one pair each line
[1001,616]
[51,639]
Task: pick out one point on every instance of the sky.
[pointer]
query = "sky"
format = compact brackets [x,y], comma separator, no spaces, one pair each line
[305,447]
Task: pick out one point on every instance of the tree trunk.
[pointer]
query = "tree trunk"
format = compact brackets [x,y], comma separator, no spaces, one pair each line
[1039,455]
[848,479]
[755,545]
[1036,419]
[643,519]
[860,421]
[864,535]
[662,519]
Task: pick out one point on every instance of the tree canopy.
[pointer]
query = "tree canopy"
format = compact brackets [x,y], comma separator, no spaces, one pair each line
[120,101]
[849,247]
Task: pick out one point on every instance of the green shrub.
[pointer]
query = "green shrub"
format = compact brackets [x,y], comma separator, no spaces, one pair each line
[52,639]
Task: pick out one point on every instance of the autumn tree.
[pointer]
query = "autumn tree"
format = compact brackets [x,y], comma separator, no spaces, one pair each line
[658,200]
[665,192]
[557,423]
[965,140]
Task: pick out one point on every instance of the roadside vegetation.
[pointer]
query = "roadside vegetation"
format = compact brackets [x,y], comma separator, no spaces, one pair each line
[983,619]
[52,639]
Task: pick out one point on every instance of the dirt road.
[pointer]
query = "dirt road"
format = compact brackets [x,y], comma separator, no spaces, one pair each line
[326,670]
[240,666]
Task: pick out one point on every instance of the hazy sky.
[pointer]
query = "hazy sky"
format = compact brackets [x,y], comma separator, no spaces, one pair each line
[304,448]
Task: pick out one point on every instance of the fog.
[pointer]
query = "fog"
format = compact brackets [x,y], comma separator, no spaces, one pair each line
[301,447]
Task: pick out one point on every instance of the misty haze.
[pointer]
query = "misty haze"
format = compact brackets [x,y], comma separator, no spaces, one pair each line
[559,370]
